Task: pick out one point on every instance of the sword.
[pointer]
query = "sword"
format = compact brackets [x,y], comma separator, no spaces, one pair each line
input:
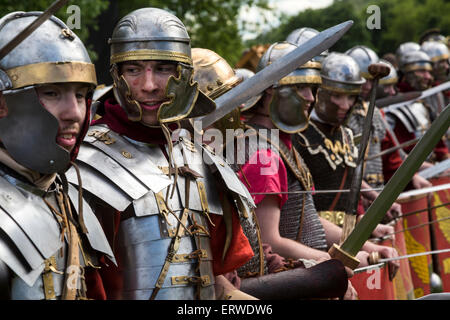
[54,7]
[274,72]
[398,98]
[424,94]
[348,250]
[377,71]
[395,148]
[378,264]
[435,170]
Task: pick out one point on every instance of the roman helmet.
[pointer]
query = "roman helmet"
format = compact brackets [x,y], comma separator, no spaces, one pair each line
[340,75]
[416,61]
[215,77]
[439,55]
[390,79]
[155,34]
[403,49]
[288,108]
[302,35]
[364,57]
[51,54]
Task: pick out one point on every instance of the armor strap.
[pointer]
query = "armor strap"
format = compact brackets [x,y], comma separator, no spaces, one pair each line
[175,244]
[47,278]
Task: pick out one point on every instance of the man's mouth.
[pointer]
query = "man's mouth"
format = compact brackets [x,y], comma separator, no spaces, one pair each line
[150,105]
[66,140]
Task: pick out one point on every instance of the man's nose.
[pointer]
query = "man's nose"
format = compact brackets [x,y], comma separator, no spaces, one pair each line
[390,90]
[149,81]
[427,75]
[307,94]
[71,110]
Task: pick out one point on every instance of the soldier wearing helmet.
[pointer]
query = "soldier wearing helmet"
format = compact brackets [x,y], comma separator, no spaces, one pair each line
[327,145]
[302,35]
[178,228]
[51,240]
[215,77]
[413,120]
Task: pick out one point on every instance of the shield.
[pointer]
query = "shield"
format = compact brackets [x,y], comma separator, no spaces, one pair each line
[441,230]
[417,239]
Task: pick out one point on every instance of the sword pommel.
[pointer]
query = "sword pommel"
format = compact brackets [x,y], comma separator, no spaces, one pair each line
[378,70]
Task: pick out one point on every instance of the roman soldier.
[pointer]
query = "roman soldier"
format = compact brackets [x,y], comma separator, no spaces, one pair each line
[327,145]
[52,243]
[413,120]
[286,278]
[170,205]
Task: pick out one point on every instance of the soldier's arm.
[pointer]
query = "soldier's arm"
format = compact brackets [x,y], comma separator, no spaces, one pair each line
[268,213]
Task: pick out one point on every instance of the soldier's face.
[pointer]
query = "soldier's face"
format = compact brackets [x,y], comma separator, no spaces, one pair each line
[420,79]
[333,107]
[67,103]
[441,70]
[389,90]
[147,80]
[365,89]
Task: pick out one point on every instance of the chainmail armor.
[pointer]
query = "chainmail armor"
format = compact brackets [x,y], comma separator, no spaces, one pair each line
[373,169]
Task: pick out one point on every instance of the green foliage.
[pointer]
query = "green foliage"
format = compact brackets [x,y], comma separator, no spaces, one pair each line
[401,21]
[211,24]
[89,9]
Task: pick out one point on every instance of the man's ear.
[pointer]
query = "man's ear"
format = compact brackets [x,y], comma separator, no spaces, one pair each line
[3,107]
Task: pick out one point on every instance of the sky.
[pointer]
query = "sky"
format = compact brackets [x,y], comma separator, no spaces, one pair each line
[289,7]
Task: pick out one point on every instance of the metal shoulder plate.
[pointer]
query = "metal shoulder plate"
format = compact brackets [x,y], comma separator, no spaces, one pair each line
[109,160]
[229,177]
[30,234]
[405,115]
[95,235]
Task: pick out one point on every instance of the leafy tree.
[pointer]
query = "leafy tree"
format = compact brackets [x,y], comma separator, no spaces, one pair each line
[321,19]
[211,24]
[89,10]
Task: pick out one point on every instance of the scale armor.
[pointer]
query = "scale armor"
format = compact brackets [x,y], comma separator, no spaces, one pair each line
[373,169]
[306,229]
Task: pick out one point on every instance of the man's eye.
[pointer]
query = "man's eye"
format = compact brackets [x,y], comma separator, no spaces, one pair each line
[166,68]
[80,96]
[50,93]
[132,70]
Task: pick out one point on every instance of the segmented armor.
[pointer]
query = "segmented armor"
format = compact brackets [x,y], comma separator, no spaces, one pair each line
[163,245]
[43,249]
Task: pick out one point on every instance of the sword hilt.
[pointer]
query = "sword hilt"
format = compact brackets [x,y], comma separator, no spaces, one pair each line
[379,70]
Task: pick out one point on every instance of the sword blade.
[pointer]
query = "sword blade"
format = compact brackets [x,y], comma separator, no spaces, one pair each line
[396,184]
[31,27]
[435,170]
[398,98]
[425,94]
[382,262]
[274,72]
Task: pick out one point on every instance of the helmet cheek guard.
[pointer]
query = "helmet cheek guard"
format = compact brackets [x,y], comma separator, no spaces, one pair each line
[182,92]
[50,55]
[122,93]
[288,110]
